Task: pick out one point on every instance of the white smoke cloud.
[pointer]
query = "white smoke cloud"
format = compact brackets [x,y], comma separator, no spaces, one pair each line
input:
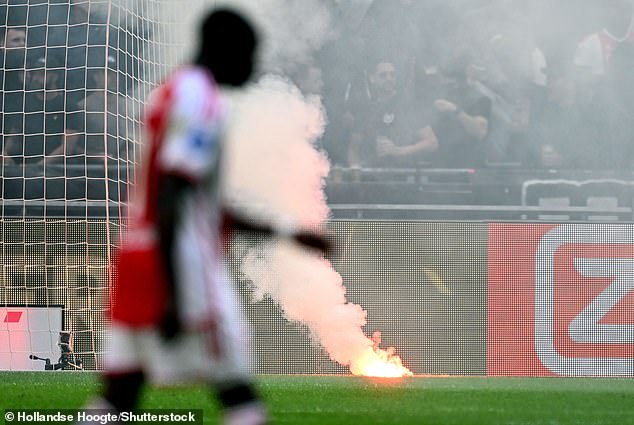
[273,163]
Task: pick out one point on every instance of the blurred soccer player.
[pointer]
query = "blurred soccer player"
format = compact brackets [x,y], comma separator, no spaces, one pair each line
[173,315]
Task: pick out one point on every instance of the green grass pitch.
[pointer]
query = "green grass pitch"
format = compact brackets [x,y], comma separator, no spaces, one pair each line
[324,400]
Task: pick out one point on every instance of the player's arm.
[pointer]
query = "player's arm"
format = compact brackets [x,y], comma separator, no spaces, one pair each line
[169,202]
[307,238]
[187,154]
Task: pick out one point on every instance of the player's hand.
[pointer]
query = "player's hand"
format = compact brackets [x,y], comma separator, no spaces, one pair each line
[170,326]
[313,240]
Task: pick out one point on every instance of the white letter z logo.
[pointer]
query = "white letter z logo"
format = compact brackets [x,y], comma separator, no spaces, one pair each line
[585,328]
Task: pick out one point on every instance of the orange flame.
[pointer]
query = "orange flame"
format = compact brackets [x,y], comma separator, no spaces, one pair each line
[377,362]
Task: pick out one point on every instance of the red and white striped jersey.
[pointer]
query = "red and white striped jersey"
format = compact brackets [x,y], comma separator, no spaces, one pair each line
[182,136]
[184,120]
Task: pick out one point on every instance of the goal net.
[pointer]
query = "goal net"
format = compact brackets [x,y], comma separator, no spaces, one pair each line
[74,76]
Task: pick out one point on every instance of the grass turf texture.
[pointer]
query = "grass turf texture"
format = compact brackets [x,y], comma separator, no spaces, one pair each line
[327,400]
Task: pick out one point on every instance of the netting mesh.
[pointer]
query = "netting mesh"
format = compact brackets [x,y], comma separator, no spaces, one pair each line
[74,77]
[56,263]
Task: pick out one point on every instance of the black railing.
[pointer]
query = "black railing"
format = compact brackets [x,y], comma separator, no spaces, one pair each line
[503,193]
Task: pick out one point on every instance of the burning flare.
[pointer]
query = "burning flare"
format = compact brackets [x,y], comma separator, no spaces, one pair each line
[378,362]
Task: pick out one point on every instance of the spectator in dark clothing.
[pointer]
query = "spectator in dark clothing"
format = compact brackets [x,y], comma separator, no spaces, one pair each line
[12,142]
[308,77]
[460,115]
[513,78]
[50,134]
[12,55]
[12,68]
[563,128]
[105,112]
[389,129]
[13,37]
[339,60]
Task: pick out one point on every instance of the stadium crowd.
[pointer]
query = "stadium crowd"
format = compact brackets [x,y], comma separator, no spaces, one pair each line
[476,83]
[445,84]
[60,86]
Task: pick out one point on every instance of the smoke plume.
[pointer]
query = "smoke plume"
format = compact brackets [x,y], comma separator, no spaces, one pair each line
[273,164]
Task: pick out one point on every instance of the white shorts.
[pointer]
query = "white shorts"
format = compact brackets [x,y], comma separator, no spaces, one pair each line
[192,357]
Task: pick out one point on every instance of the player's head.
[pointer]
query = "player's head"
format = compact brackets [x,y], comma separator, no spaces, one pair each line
[227,47]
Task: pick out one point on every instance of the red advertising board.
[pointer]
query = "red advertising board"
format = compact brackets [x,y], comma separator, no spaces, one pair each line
[561,300]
